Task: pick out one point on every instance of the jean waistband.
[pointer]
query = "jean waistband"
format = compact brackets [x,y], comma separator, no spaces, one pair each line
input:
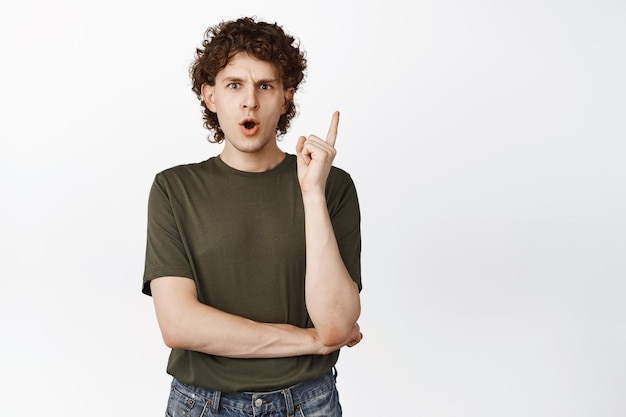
[287,399]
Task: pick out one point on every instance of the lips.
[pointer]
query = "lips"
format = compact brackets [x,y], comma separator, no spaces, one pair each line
[249,126]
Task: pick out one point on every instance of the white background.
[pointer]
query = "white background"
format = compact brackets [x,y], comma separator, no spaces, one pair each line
[487,142]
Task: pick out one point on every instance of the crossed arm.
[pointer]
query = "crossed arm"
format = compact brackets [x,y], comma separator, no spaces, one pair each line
[331,296]
[188,324]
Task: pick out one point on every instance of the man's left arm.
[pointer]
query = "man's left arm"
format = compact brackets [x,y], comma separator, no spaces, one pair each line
[332,296]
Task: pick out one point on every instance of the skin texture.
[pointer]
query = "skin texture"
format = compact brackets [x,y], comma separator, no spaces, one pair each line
[248,89]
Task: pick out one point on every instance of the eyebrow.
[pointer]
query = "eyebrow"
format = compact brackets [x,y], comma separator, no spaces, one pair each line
[240,80]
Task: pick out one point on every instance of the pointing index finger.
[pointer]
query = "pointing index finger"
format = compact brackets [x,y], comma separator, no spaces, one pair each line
[331,137]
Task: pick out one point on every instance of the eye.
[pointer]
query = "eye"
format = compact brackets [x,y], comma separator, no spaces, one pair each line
[232,86]
[266,87]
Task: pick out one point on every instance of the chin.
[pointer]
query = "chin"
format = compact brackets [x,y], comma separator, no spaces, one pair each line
[251,145]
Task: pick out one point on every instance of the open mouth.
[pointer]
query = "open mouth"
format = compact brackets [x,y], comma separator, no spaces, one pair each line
[249,127]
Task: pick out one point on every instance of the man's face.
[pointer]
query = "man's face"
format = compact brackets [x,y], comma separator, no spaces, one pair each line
[248,98]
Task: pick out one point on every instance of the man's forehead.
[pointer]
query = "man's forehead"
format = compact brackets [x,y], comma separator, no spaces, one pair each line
[244,65]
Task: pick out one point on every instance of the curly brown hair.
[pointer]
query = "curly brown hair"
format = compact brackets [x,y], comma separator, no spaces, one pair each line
[265,41]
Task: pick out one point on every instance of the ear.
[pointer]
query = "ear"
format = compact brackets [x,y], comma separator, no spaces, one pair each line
[288,99]
[208,95]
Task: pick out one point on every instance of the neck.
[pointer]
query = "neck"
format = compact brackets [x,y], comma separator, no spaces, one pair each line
[260,161]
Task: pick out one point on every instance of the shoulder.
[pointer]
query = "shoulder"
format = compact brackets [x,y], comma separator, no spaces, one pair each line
[186,169]
[180,180]
[339,174]
[184,173]
[339,179]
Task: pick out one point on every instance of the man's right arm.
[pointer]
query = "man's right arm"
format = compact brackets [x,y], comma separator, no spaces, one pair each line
[186,323]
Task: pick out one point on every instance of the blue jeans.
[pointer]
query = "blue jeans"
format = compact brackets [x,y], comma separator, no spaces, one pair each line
[315,398]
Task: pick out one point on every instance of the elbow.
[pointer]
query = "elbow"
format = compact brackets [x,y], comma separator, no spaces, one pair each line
[338,332]
[173,337]
[171,340]
[334,335]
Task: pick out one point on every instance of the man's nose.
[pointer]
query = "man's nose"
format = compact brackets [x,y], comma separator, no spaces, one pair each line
[249,100]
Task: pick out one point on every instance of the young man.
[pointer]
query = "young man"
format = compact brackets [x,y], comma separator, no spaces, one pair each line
[253,256]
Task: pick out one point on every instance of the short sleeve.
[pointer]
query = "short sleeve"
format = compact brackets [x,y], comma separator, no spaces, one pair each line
[166,254]
[345,214]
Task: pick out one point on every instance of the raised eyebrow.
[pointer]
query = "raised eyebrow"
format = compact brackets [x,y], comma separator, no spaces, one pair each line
[229,80]
[267,81]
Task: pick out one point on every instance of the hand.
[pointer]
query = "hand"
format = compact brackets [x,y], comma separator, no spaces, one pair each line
[315,158]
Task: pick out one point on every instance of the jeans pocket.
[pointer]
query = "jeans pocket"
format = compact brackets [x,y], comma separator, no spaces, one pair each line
[180,405]
[325,405]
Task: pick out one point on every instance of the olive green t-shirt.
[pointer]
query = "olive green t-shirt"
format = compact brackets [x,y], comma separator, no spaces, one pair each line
[240,237]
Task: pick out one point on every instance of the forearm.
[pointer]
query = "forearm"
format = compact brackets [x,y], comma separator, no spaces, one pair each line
[332,297]
[188,324]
